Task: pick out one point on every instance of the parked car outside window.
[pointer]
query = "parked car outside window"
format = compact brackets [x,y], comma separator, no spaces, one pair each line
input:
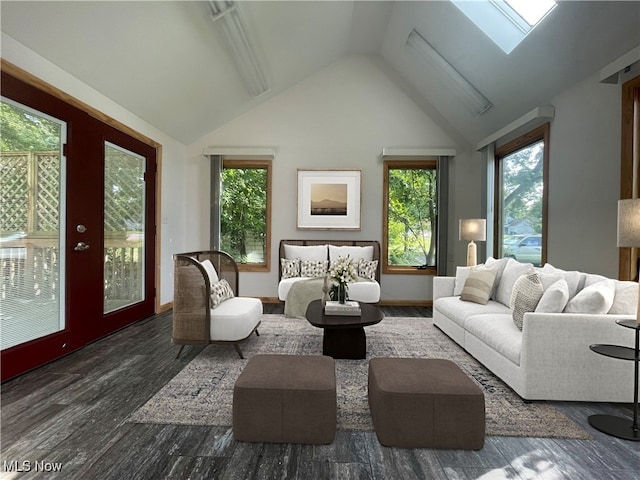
[526,249]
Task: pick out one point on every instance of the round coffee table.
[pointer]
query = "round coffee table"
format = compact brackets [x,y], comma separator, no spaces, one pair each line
[344,335]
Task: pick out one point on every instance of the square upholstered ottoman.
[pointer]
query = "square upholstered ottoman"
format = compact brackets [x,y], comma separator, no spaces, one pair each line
[286,399]
[425,403]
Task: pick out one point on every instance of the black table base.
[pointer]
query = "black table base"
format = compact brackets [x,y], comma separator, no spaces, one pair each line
[615,426]
[347,343]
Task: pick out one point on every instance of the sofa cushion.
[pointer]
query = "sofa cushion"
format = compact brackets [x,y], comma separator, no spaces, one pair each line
[525,296]
[461,276]
[555,298]
[235,319]
[356,253]
[313,268]
[290,267]
[211,271]
[625,301]
[458,311]
[311,252]
[499,332]
[597,298]
[220,291]
[512,271]
[478,285]
[499,264]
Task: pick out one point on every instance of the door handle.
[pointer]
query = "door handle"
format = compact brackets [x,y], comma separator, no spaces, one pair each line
[81,247]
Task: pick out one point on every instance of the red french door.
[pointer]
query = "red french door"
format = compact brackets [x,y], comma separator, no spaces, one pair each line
[78,235]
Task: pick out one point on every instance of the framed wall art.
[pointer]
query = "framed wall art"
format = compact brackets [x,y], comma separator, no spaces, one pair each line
[329,199]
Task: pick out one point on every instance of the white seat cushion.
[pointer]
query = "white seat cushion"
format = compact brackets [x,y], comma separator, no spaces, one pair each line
[458,310]
[235,318]
[499,332]
[285,285]
[366,291]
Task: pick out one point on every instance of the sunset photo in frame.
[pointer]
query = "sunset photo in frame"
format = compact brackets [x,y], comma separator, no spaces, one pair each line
[329,199]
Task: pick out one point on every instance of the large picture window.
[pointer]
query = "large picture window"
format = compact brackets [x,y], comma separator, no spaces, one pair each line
[245,205]
[410,216]
[521,199]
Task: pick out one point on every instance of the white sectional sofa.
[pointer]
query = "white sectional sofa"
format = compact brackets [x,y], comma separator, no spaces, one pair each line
[366,290]
[550,358]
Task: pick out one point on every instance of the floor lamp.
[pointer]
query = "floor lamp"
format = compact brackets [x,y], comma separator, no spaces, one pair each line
[474,230]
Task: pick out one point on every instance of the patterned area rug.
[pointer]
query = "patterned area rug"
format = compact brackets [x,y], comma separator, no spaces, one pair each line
[201,394]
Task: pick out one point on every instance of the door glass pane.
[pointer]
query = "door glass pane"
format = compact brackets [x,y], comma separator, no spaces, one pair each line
[32,213]
[521,197]
[124,223]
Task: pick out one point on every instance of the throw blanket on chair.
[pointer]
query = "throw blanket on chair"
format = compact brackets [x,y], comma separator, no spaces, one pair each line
[301,294]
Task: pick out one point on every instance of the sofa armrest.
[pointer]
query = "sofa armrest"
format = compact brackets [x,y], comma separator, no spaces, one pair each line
[443,287]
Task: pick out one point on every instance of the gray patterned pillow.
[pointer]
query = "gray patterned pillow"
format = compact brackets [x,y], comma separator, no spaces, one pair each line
[220,291]
[525,296]
[313,268]
[367,269]
[290,267]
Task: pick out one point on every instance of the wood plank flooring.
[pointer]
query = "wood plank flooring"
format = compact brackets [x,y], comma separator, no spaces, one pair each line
[67,420]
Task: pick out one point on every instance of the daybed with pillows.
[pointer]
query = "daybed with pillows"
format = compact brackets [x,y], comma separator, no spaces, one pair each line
[532,327]
[304,263]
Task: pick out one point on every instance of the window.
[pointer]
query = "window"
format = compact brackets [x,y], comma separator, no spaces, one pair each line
[506,22]
[410,216]
[521,200]
[245,204]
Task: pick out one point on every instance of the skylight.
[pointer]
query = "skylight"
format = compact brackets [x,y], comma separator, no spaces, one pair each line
[506,22]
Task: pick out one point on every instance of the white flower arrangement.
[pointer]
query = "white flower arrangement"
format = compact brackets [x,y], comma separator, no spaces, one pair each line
[343,270]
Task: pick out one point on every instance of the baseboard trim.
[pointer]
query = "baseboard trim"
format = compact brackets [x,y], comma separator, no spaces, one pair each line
[164,307]
[406,303]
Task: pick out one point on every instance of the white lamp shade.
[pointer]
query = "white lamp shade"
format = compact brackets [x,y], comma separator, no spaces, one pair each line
[473,229]
[629,222]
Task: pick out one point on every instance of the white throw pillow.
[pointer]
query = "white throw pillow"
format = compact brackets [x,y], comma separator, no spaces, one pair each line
[461,276]
[356,253]
[596,298]
[525,296]
[498,264]
[478,285]
[512,271]
[310,253]
[555,298]
[211,271]
[575,280]
[625,301]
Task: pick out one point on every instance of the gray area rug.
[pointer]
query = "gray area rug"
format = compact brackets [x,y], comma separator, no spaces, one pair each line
[201,394]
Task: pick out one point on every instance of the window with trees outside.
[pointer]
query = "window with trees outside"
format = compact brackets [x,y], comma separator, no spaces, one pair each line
[521,198]
[245,205]
[410,216]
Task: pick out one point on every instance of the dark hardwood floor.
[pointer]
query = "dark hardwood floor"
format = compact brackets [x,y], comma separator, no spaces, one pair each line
[67,420]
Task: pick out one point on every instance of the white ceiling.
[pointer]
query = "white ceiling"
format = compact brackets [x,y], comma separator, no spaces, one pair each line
[167,62]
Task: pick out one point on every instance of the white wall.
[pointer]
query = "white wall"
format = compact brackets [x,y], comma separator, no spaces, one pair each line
[172,229]
[340,117]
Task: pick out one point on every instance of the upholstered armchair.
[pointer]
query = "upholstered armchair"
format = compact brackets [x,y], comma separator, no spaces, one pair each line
[206,305]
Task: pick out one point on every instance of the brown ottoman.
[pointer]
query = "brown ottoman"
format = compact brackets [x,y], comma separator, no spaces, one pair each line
[425,403]
[286,399]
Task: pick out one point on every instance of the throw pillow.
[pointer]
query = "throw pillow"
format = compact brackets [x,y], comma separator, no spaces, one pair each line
[220,291]
[461,276]
[575,280]
[554,298]
[356,253]
[525,295]
[290,267]
[499,264]
[478,285]
[313,268]
[625,301]
[596,298]
[512,272]
[367,269]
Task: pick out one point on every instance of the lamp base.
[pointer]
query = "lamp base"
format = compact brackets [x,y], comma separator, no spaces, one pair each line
[472,254]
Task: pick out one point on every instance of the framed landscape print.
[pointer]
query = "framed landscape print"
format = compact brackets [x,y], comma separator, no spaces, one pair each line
[329,199]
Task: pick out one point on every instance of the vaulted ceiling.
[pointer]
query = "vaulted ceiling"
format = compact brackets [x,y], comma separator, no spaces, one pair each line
[169,63]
